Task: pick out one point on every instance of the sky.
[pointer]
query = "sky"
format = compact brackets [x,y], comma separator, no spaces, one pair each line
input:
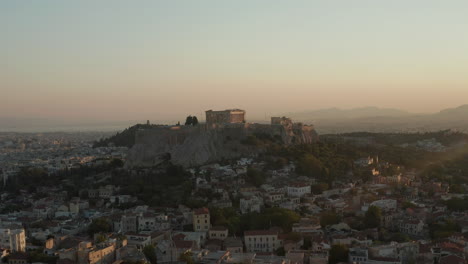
[162,60]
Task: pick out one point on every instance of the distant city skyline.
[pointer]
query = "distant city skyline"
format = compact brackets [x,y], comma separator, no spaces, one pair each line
[118,60]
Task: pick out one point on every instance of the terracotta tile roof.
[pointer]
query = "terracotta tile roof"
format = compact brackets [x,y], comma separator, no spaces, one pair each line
[183,244]
[201,211]
[452,260]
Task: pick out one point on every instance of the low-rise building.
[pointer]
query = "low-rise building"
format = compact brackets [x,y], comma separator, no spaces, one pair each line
[201,220]
[13,239]
[298,189]
[218,232]
[261,241]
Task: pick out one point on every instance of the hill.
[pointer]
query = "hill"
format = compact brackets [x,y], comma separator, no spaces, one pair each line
[126,138]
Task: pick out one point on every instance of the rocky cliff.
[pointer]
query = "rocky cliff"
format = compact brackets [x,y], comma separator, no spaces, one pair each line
[192,146]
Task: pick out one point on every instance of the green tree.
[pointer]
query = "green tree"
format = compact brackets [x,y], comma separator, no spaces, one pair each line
[310,166]
[457,204]
[270,217]
[187,257]
[329,218]
[372,217]
[319,188]
[100,238]
[255,176]
[280,251]
[99,225]
[150,254]
[338,253]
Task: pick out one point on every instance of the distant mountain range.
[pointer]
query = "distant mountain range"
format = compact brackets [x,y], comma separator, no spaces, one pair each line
[370,111]
[374,119]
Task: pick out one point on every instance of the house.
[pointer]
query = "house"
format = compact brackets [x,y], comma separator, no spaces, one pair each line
[201,220]
[385,205]
[218,232]
[358,255]
[320,244]
[18,258]
[152,222]
[298,189]
[261,241]
[138,240]
[295,257]
[101,254]
[233,245]
[129,223]
[363,162]
[274,197]
[250,204]
[214,245]
[413,227]
[307,226]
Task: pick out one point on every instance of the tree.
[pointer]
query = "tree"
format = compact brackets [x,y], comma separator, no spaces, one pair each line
[457,204]
[150,254]
[270,217]
[194,121]
[280,251]
[116,163]
[329,218]
[100,238]
[255,176]
[338,253]
[187,257]
[310,166]
[319,188]
[99,225]
[373,217]
[189,121]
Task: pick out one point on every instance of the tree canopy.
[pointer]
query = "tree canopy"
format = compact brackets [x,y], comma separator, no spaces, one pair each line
[338,253]
[372,217]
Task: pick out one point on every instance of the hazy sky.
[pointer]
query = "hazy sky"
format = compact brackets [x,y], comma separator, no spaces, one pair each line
[160,60]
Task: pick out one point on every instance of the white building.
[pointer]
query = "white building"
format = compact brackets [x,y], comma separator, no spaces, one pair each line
[13,239]
[298,189]
[261,241]
[250,204]
[413,227]
[385,205]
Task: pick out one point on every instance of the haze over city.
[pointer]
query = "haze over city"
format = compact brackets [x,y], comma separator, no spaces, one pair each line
[234,132]
[101,61]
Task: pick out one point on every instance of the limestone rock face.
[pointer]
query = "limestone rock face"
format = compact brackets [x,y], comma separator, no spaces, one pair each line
[192,146]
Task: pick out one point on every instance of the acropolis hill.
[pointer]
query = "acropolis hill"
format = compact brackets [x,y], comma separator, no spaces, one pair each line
[223,136]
